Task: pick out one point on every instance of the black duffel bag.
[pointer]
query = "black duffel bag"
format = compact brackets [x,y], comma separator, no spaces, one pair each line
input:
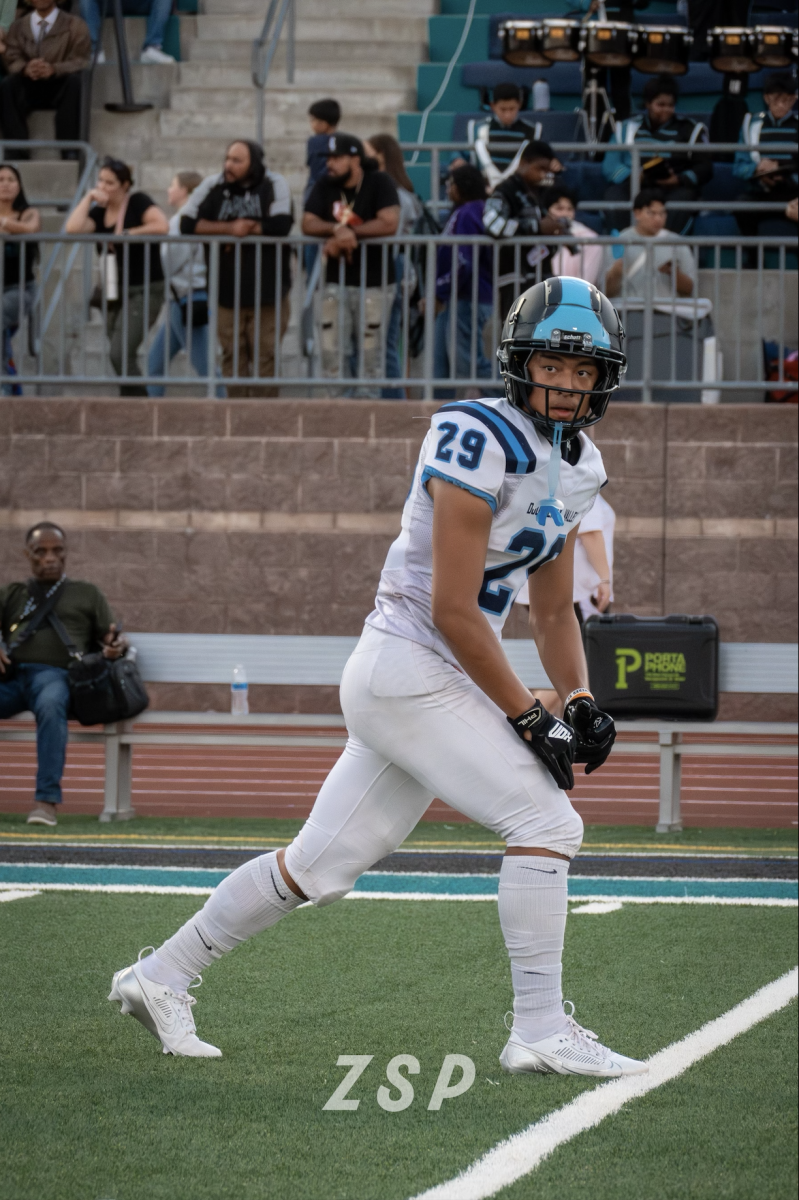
[101,690]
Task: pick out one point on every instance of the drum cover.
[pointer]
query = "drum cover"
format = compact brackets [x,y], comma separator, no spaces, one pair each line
[521,44]
[610,43]
[732,50]
[775,45]
[560,40]
[662,50]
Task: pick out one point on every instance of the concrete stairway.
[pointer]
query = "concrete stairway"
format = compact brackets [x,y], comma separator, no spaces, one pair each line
[363,52]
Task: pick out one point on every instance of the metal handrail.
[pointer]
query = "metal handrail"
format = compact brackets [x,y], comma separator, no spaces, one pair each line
[264,49]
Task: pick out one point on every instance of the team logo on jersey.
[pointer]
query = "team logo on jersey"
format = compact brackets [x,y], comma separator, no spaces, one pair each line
[569,514]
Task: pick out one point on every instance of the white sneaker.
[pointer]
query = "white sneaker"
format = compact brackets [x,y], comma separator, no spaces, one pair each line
[154,54]
[576,1051]
[165,1013]
[100,60]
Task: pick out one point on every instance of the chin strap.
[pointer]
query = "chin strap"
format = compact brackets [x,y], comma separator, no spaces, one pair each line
[551,507]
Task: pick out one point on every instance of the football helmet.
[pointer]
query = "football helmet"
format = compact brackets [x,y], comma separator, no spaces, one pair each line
[565,316]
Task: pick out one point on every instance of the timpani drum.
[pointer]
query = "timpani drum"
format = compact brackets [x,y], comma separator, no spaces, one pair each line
[662,50]
[775,45]
[610,43]
[561,39]
[521,43]
[732,50]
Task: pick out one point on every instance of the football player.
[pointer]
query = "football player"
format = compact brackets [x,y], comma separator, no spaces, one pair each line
[433,707]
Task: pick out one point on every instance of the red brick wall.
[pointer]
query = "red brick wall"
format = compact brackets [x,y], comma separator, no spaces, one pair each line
[275,516]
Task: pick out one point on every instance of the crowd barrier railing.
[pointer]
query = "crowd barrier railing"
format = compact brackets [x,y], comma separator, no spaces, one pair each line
[399,321]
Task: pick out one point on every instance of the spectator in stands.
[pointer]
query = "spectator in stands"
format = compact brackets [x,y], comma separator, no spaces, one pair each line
[386,150]
[246,200]
[44,56]
[353,202]
[770,175]
[33,665]
[113,208]
[466,189]
[157,12]
[680,322]
[16,216]
[516,208]
[498,142]
[187,302]
[582,262]
[325,118]
[678,173]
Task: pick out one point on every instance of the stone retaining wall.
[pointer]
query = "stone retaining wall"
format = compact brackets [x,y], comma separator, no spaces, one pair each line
[275,516]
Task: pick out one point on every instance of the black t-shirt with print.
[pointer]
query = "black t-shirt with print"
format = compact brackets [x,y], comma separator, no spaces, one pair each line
[377,191]
[138,203]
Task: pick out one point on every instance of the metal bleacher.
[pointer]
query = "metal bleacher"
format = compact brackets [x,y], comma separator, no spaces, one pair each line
[480,68]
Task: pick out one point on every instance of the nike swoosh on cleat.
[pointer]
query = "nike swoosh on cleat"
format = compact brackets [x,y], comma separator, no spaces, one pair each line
[274,885]
[202,939]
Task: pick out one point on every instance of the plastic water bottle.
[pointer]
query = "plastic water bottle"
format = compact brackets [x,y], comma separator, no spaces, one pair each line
[541,96]
[239,693]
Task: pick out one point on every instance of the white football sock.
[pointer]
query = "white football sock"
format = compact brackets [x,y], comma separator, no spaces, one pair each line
[533,891]
[251,899]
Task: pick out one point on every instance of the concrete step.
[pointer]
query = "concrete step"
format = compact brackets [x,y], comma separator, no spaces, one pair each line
[206,74]
[285,113]
[242,95]
[152,83]
[325,9]
[134,32]
[345,29]
[48,182]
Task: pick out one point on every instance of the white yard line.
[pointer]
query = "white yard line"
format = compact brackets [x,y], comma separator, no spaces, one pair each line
[519,1155]
[166,890]
[18,894]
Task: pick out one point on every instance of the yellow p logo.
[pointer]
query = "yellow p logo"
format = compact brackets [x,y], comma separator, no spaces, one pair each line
[627,661]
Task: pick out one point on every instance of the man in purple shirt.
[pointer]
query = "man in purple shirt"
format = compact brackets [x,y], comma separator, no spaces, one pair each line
[458,350]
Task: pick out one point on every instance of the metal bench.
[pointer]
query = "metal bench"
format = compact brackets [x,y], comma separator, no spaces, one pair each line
[764,667]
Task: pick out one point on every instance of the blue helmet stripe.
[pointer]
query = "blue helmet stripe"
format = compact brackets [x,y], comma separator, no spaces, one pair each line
[519,455]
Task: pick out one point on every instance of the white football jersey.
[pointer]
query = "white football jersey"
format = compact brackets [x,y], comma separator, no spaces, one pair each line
[492,449]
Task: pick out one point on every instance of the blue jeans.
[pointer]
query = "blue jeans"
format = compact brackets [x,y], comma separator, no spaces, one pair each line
[393,332]
[198,352]
[43,691]
[157,12]
[463,345]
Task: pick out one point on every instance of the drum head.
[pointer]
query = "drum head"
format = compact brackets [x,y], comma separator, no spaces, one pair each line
[521,44]
[773,46]
[732,50]
[610,43]
[662,50]
[559,40]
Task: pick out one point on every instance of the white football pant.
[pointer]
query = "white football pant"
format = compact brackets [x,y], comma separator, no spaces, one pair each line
[419,728]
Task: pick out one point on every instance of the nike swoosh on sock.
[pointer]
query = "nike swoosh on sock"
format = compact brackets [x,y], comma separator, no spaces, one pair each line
[540,870]
[202,939]
[274,885]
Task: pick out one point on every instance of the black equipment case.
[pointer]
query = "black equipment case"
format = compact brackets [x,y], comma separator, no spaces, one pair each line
[656,667]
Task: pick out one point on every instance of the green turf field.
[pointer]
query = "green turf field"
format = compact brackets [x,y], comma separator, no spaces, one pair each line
[266,832]
[91,1110]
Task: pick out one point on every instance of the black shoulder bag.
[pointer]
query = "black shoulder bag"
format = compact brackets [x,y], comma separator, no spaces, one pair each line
[101,690]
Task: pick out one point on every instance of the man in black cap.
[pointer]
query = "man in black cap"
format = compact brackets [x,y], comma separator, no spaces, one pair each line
[246,200]
[352,202]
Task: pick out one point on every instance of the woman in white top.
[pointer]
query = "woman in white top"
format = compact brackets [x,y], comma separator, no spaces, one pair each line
[184,269]
[386,149]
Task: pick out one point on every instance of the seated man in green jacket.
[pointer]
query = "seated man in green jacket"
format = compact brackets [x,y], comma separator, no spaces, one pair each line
[33,668]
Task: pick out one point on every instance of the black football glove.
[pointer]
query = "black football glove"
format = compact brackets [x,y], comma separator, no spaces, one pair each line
[552,740]
[594,730]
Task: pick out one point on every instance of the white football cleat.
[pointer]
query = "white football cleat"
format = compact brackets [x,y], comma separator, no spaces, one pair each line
[166,1014]
[576,1051]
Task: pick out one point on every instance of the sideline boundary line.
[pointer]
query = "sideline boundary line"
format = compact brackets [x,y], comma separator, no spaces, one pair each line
[165,890]
[517,1156]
